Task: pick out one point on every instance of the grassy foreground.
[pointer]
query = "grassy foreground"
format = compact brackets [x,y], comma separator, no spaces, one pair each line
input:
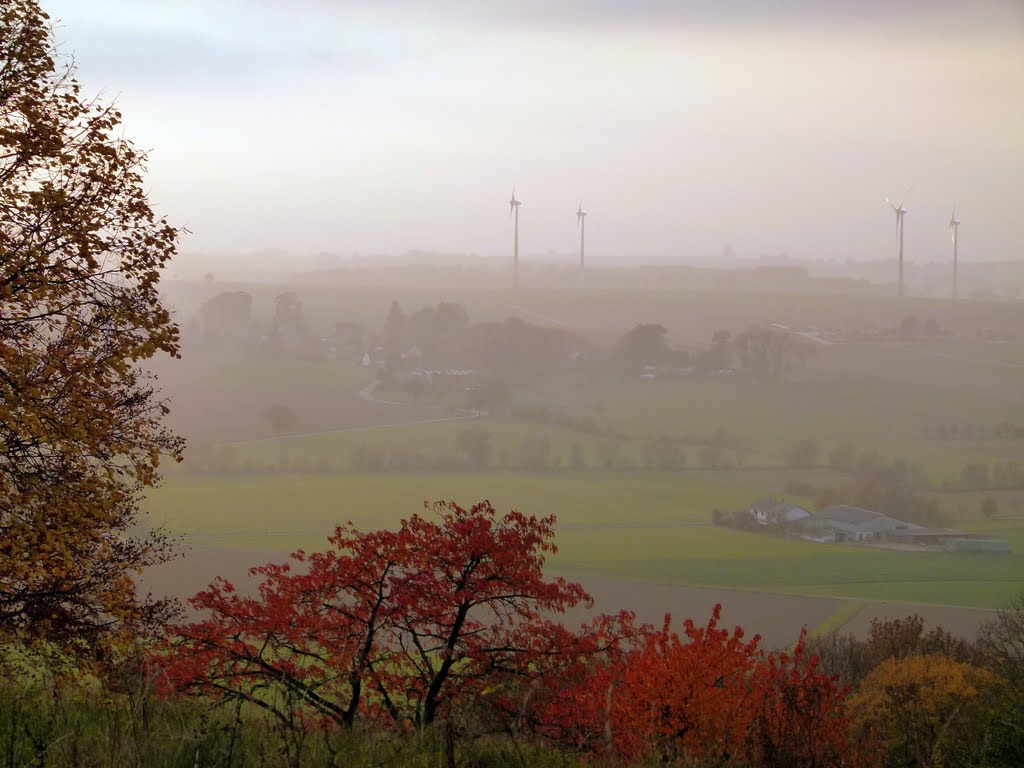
[63,727]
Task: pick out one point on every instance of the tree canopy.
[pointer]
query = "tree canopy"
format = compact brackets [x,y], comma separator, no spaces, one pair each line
[80,423]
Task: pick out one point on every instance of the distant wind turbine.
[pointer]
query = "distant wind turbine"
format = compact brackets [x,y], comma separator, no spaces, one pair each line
[513,209]
[581,225]
[900,211]
[954,226]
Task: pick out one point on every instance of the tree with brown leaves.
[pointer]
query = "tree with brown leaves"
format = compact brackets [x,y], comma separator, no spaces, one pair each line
[80,424]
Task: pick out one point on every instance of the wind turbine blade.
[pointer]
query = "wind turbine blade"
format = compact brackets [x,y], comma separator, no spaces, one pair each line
[905,195]
[889,202]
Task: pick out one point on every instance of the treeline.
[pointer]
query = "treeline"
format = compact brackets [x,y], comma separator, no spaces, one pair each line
[1000,430]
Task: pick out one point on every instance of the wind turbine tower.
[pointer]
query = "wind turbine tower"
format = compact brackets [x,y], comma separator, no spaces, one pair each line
[513,212]
[954,226]
[900,212]
[581,225]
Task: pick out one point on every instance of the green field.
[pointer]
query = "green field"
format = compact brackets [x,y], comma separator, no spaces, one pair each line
[308,506]
[255,375]
[645,526]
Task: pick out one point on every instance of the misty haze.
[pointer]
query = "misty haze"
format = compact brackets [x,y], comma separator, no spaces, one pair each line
[479,384]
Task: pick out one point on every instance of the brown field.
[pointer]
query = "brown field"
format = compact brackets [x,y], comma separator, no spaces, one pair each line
[777,618]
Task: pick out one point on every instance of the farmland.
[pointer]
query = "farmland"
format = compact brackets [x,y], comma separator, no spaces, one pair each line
[628,527]
[644,526]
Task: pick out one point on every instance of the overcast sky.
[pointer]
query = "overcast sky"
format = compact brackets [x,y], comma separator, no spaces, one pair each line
[682,125]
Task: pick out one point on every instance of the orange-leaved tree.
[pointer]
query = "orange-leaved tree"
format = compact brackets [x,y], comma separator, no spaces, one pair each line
[399,626]
[80,425]
[712,697]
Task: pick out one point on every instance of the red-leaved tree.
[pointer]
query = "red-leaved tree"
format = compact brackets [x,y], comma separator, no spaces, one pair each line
[711,697]
[394,625]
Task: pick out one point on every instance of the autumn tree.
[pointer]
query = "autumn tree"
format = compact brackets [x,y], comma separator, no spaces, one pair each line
[80,423]
[396,626]
[853,658]
[713,697]
[930,710]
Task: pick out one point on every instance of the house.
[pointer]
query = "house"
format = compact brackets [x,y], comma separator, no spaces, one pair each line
[773,512]
[845,523]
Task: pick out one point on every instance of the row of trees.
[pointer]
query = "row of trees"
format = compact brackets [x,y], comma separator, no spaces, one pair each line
[1000,430]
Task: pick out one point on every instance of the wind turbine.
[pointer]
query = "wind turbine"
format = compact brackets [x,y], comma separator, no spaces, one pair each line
[954,226]
[581,225]
[900,211]
[513,208]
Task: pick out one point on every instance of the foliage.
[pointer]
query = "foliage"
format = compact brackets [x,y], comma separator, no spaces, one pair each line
[989,507]
[280,418]
[664,452]
[644,345]
[713,698]
[852,659]
[1001,644]
[80,423]
[802,453]
[396,626]
[226,316]
[488,395]
[475,444]
[930,710]
[69,726]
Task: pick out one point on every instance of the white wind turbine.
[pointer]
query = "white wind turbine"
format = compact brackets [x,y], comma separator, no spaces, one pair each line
[900,212]
[581,225]
[954,226]
[513,212]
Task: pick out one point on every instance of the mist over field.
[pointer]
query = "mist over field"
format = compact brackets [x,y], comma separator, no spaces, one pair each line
[477,340]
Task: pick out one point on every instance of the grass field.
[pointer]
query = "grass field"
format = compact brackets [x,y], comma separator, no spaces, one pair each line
[310,506]
[628,525]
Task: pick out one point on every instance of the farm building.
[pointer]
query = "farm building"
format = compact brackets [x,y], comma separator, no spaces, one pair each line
[449,379]
[845,523]
[916,534]
[773,512]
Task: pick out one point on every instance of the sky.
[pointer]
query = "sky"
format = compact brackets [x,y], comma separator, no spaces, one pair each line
[773,126]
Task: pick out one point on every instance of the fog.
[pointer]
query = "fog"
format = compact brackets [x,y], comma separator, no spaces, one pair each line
[352,459]
[682,127]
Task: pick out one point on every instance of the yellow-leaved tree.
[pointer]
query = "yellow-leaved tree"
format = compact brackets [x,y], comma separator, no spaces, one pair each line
[80,424]
[929,710]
